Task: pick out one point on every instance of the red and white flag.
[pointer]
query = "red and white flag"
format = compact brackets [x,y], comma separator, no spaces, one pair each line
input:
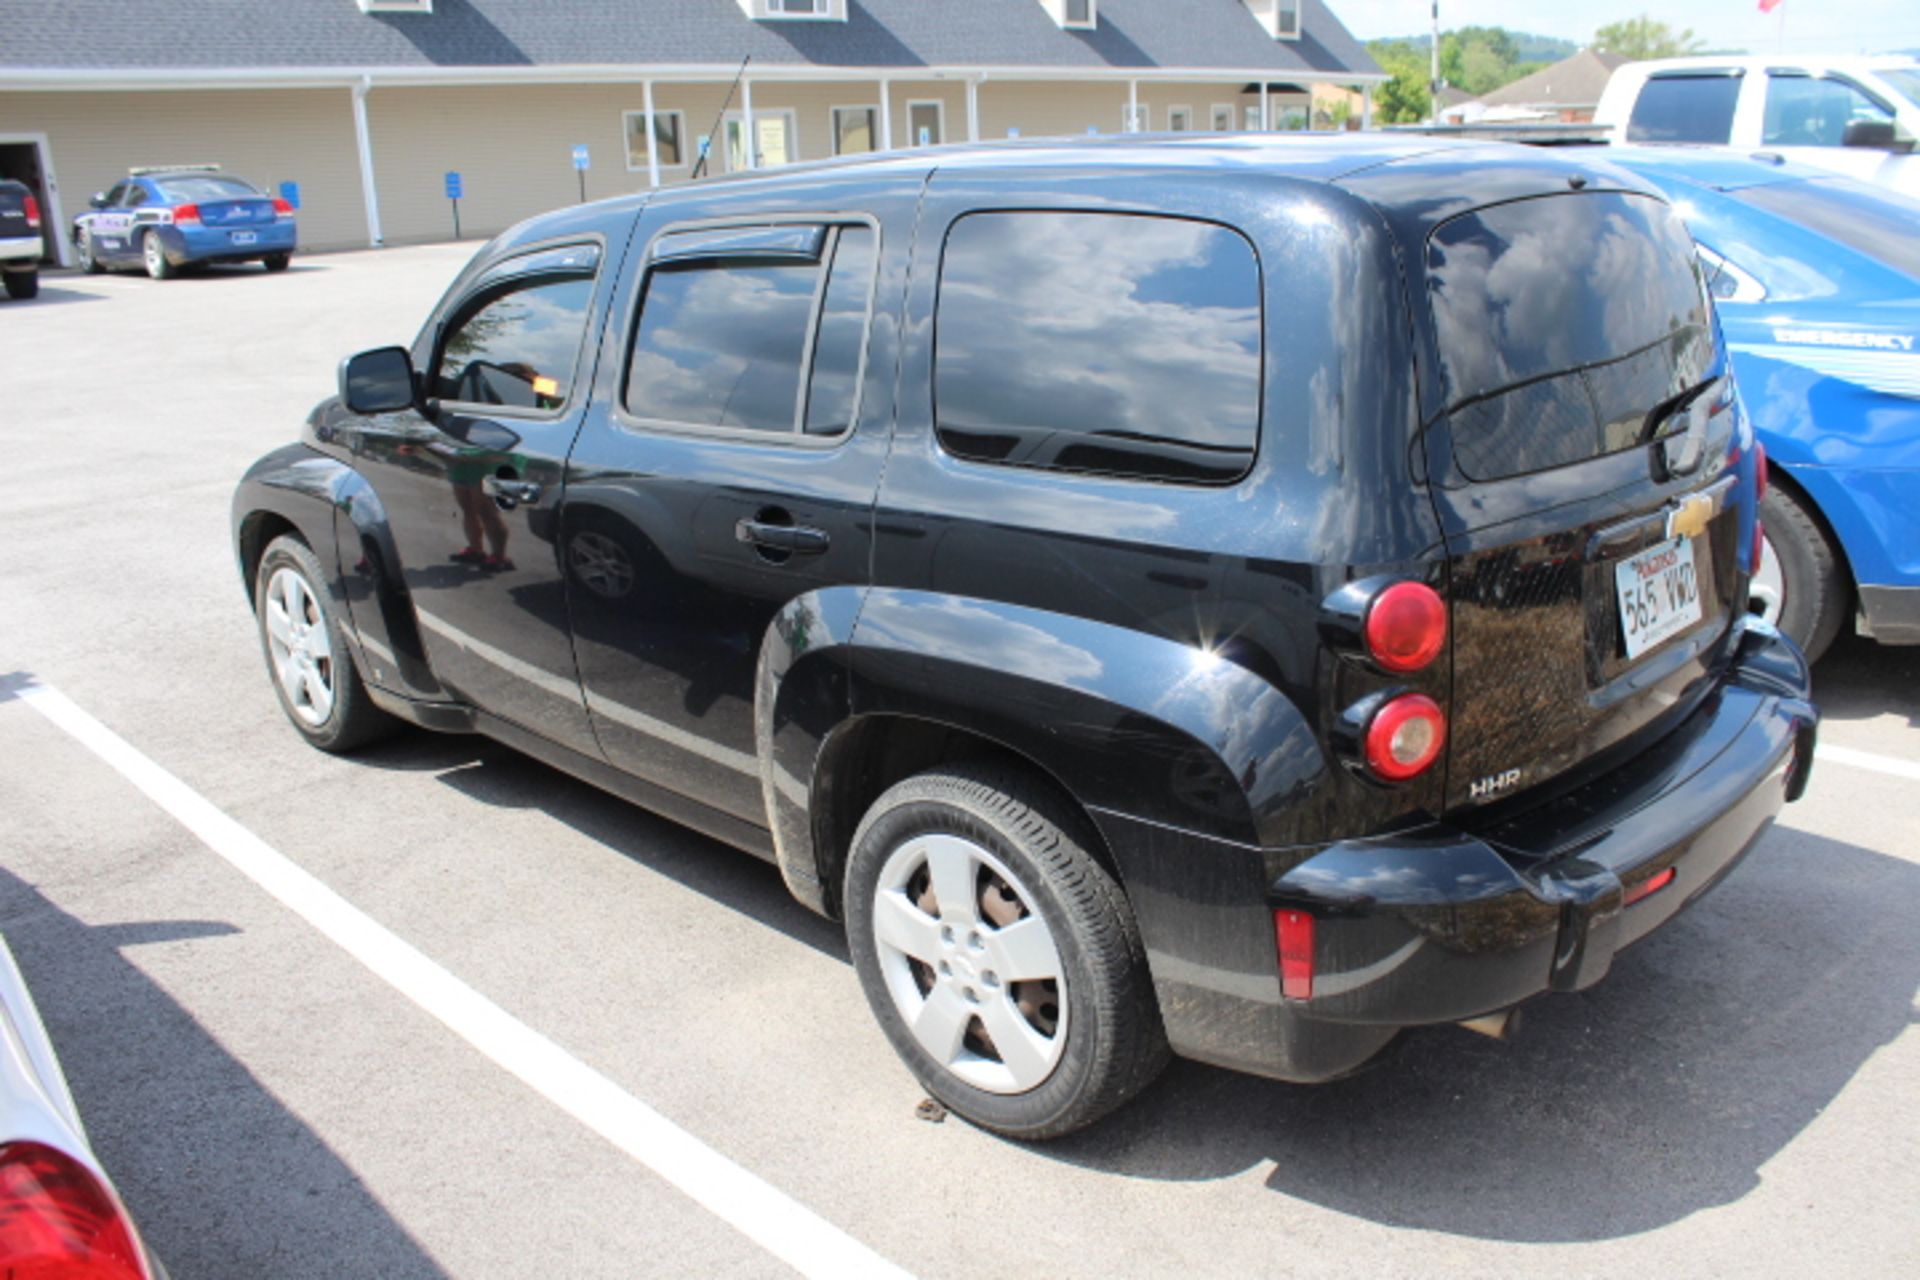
[1768,6]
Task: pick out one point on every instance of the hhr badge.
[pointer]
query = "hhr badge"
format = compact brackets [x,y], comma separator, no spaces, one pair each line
[1493,784]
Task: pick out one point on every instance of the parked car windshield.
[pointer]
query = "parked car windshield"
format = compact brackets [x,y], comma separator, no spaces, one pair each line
[1562,323]
[1905,81]
[202,186]
[1873,222]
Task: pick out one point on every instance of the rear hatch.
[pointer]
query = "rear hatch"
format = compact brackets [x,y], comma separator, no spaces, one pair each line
[222,215]
[1587,449]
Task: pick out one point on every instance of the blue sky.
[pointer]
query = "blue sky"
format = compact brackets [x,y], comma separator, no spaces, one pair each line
[1811,26]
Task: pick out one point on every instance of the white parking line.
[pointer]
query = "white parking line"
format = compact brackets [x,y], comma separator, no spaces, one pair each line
[1892,765]
[764,1214]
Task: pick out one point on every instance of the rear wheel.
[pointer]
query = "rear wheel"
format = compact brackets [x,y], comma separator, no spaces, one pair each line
[1799,586]
[276,261]
[88,262]
[22,284]
[1000,958]
[154,254]
[306,648]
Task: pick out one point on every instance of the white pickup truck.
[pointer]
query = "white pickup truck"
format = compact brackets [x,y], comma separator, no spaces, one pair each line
[1857,116]
[20,242]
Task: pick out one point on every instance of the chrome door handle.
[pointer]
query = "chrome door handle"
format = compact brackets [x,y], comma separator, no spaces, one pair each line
[798,539]
[510,491]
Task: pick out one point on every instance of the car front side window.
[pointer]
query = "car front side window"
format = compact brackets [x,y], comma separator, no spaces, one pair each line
[515,341]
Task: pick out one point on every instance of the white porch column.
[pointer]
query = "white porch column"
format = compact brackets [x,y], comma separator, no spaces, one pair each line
[653,139]
[1366,106]
[1266,108]
[973,109]
[364,137]
[747,135]
[1133,106]
[886,115]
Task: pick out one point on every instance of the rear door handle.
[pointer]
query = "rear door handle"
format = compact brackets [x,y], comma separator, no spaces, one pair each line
[514,491]
[798,539]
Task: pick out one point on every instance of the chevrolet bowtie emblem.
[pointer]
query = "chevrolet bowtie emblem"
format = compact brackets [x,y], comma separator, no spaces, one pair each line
[1689,517]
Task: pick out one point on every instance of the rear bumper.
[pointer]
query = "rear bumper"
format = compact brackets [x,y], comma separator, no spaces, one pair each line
[21,251]
[203,244]
[1444,923]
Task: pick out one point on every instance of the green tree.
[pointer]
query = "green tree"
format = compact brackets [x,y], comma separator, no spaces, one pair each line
[1642,37]
[1403,99]
[1478,59]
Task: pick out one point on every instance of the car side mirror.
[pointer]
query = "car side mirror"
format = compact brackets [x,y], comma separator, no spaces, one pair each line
[378,381]
[1876,135]
[98,200]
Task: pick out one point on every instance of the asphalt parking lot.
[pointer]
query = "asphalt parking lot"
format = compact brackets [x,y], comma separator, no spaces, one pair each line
[1740,1096]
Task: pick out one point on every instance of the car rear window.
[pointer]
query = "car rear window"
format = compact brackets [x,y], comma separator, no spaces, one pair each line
[204,187]
[1561,323]
[1118,344]
[1879,224]
[1684,109]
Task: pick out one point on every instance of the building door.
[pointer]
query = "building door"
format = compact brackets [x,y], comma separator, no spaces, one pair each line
[775,136]
[925,127]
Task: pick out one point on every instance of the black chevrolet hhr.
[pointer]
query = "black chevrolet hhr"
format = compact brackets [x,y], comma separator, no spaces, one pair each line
[1208,595]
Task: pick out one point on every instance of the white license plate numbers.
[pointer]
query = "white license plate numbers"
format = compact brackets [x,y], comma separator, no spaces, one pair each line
[1659,594]
[244,237]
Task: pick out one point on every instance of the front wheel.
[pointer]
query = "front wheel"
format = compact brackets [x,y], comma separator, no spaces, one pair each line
[154,254]
[88,261]
[317,683]
[1002,961]
[277,261]
[1799,586]
[22,285]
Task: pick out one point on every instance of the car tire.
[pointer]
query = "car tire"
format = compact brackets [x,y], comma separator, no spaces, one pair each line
[321,692]
[87,261]
[1800,586]
[153,252]
[277,261]
[952,981]
[22,285]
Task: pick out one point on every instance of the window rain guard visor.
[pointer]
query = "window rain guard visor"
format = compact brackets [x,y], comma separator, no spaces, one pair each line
[794,243]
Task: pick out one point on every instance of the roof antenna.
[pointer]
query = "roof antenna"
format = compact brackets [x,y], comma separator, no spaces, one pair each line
[720,120]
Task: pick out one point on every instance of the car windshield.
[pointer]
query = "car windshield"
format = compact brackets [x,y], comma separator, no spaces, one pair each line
[1873,222]
[204,186]
[1905,81]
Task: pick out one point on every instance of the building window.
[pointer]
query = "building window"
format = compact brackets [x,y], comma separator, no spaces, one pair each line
[667,135]
[1077,341]
[1078,14]
[1179,119]
[926,123]
[855,129]
[1223,117]
[1286,19]
[799,8]
[1250,117]
[396,6]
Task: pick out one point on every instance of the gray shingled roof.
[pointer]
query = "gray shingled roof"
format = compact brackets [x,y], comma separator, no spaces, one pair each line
[1572,82]
[189,35]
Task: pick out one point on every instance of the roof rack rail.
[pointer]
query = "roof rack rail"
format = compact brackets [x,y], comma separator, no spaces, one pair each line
[146,169]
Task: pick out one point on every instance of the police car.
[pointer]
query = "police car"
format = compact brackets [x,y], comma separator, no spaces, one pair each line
[167,218]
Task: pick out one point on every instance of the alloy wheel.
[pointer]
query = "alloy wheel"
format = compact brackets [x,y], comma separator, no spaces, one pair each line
[301,649]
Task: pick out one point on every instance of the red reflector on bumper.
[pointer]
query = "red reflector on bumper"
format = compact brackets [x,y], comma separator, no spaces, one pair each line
[1294,932]
[1650,886]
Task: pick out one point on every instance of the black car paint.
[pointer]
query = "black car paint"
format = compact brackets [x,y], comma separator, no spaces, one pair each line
[1178,668]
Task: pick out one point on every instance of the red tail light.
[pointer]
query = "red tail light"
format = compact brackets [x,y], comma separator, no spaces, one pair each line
[1293,930]
[185,213]
[57,1222]
[1405,736]
[282,208]
[1650,886]
[1406,626]
[33,213]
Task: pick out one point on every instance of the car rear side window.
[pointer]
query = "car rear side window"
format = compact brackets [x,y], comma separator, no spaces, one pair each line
[759,337]
[515,341]
[1684,109]
[1562,323]
[1117,344]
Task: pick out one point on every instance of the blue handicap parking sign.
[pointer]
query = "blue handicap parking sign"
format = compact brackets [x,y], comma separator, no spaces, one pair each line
[581,160]
[453,184]
[290,192]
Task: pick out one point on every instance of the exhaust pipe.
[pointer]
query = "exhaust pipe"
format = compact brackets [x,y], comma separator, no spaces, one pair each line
[1500,1026]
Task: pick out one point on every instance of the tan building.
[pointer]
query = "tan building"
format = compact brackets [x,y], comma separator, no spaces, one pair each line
[367,105]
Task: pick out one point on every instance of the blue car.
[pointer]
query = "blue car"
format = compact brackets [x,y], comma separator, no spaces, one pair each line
[166,219]
[1818,284]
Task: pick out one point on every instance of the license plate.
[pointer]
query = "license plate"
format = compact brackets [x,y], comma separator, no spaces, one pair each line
[244,237]
[1659,594]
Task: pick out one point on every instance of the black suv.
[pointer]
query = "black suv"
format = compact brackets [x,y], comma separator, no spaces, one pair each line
[1215,594]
